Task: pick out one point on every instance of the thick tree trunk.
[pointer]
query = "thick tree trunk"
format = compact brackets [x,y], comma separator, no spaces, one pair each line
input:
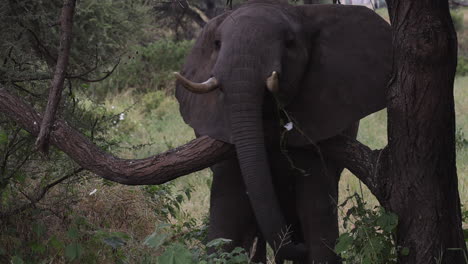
[423,179]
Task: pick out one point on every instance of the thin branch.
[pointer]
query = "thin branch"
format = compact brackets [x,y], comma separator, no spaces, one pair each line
[370,166]
[37,197]
[66,20]
[49,58]
[81,77]
[45,76]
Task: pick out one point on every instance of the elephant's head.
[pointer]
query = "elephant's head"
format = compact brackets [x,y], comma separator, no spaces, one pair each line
[327,64]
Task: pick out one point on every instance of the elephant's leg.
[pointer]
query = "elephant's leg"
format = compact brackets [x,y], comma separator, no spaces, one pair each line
[316,201]
[231,215]
[309,203]
[317,197]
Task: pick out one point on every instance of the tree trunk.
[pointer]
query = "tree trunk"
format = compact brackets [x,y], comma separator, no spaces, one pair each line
[423,178]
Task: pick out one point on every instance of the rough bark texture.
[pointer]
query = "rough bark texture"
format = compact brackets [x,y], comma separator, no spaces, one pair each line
[193,156]
[423,191]
[55,92]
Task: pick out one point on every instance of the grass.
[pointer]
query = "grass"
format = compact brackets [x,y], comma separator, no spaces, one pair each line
[461,115]
[158,130]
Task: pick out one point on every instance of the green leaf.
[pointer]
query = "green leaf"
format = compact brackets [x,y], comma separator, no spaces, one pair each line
[387,221]
[155,240]
[73,251]
[405,251]
[55,243]
[3,137]
[39,229]
[344,243]
[73,233]
[114,241]
[176,254]
[38,248]
[188,193]
[218,242]
[17,260]
[465,234]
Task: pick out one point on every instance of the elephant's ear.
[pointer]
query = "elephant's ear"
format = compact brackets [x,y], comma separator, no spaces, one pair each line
[203,112]
[349,69]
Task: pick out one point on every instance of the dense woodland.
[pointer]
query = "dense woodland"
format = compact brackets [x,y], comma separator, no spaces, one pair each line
[118,91]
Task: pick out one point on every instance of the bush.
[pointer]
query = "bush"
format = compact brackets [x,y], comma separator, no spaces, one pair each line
[147,68]
[369,234]
[462,66]
[457,19]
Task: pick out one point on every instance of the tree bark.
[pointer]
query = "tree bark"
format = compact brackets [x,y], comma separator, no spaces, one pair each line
[193,156]
[55,92]
[423,191]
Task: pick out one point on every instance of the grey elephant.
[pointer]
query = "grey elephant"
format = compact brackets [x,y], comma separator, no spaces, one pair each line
[318,69]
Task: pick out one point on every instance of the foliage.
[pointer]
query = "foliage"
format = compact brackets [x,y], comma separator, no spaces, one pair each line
[465,220]
[101,32]
[157,60]
[457,19]
[369,235]
[460,140]
[39,196]
[180,254]
[462,66]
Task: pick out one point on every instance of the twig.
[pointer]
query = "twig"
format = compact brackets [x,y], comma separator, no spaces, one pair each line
[80,77]
[39,196]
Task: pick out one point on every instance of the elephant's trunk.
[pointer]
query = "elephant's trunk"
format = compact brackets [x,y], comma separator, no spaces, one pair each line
[245,101]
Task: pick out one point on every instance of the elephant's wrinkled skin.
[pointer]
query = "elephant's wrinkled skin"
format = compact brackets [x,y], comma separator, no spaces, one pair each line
[332,63]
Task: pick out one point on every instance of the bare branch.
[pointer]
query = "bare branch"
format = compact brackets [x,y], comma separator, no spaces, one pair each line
[370,166]
[193,156]
[81,77]
[66,21]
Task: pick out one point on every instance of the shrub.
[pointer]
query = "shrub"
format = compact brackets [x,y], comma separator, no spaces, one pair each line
[462,66]
[368,238]
[457,19]
[147,68]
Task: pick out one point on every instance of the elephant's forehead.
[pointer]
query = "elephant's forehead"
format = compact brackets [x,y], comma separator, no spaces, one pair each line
[258,14]
[248,25]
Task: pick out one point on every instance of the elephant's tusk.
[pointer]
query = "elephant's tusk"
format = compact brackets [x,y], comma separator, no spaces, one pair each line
[272,82]
[200,88]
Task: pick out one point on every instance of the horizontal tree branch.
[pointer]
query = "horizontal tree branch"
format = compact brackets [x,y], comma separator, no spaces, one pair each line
[193,156]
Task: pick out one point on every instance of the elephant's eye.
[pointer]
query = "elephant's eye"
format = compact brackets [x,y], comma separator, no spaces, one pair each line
[217,44]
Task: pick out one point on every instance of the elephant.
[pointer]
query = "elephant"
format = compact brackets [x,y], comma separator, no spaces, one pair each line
[275,80]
